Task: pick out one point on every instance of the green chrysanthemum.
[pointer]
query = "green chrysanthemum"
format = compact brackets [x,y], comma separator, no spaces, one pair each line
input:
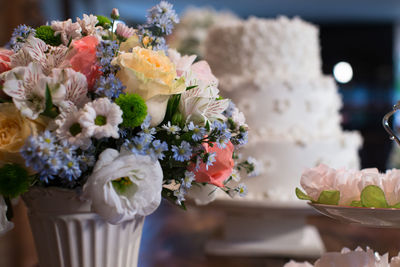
[13,180]
[134,109]
[103,21]
[46,33]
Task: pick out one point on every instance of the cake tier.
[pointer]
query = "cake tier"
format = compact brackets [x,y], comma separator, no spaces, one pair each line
[297,110]
[282,163]
[274,47]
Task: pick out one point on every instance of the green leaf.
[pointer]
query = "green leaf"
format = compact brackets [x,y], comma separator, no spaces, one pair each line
[191,87]
[329,197]
[356,203]
[50,110]
[373,196]
[396,206]
[301,195]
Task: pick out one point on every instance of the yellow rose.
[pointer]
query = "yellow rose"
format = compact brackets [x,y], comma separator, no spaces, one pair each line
[14,129]
[152,75]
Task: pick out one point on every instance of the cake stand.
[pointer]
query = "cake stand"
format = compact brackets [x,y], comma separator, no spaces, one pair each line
[265,228]
[373,217]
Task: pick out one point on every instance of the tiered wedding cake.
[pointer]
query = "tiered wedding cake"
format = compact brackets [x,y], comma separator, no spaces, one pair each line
[272,69]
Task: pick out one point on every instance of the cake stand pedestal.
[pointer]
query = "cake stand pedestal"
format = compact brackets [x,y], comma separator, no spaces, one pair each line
[262,228]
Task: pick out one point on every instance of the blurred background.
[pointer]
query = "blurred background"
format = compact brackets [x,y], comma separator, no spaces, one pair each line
[363,36]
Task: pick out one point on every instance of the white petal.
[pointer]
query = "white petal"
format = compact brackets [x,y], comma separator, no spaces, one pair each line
[5,225]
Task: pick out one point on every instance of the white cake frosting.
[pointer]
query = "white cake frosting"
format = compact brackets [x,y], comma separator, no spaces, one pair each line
[271,69]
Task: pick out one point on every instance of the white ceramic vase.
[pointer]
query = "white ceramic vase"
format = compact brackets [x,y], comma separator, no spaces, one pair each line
[68,234]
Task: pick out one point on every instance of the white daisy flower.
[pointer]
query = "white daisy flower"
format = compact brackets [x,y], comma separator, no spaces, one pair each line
[101,118]
[68,30]
[172,129]
[88,24]
[242,190]
[124,31]
[235,175]
[70,129]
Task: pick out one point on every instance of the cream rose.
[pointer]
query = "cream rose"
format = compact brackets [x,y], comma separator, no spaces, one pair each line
[152,75]
[14,129]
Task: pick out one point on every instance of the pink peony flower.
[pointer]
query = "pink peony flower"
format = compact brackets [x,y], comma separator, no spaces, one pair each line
[83,59]
[5,55]
[221,168]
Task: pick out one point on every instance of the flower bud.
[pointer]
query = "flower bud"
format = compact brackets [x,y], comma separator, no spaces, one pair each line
[115,13]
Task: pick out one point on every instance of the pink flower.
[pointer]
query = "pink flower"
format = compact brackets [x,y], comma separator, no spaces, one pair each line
[83,59]
[124,31]
[5,59]
[221,169]
[4,66]
[202,72]
[182,63]
[315,180]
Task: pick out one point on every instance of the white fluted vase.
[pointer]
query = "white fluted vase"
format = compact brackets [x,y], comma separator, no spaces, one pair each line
[67,234]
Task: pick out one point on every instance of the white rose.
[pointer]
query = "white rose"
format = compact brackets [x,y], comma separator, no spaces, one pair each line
[141,181]
[5,225]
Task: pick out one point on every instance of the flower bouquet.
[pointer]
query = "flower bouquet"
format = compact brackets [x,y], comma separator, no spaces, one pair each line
[98,121]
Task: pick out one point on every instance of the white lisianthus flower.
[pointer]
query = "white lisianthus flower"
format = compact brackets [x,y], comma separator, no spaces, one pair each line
[5,225]
[101,118]
[124,185]
[202,195]
[70,129]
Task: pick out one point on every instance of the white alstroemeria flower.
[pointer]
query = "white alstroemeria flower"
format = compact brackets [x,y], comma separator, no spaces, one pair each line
[76,87]
[124,185]
[200,105]
[202,194]
[182,63]
[70,129]
[5,225]
[27,87]
[35,50]
[68,30]
[101,118]
[88,24]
